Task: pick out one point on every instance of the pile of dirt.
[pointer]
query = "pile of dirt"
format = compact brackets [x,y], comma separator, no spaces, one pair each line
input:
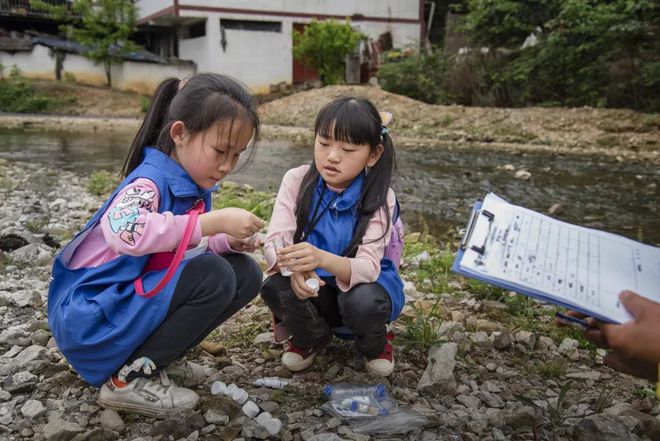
[81,100]
[603,129]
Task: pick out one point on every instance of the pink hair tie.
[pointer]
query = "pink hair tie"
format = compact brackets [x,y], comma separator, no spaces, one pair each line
[181,84]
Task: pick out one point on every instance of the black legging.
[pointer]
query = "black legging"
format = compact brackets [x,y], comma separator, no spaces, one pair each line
[365,310]
[210,290]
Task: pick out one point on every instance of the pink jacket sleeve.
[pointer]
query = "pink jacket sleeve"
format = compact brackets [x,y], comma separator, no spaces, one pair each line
[132,225]
[283,220]
[365,266]
[218,244]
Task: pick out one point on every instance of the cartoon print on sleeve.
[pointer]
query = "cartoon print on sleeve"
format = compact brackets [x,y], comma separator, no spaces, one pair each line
[124,216]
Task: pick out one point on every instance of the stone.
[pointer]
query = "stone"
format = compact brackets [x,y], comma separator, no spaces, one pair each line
[589,375]
[110,419]
[501,340]
[602,427]
[264,339]
[527,338]
[252,430]
[438,377]
[58,429]
[213,348]
[545,343]
[33,254]
[33,409]
[348,433]
[523,174]
[324,437]
[518,416]
[469,401]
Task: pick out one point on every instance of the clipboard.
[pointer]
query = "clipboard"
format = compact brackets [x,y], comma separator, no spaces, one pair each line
[476,244]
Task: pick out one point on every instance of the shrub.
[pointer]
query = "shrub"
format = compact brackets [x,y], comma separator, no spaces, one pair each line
[324,46]
[18,95]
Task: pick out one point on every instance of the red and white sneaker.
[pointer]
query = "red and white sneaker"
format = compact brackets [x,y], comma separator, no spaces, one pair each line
[383,365]
[296,359]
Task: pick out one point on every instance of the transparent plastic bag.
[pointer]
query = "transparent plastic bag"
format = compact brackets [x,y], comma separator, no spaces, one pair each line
[370,409]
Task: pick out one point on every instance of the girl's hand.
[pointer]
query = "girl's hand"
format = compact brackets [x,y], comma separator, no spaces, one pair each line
[248,245]
[299,286]
[235,222]
[300,257]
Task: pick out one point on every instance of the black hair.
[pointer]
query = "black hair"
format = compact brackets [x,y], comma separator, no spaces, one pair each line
[199,102]
[354,120]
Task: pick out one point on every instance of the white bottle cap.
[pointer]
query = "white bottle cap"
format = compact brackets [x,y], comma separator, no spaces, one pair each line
[313,284]
[218,387]
[250,409]
[273,426]
[230,389]
[240,396]
[263,418]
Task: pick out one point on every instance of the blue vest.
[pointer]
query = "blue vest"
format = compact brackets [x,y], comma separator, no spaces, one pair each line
[334,231]
[94,314]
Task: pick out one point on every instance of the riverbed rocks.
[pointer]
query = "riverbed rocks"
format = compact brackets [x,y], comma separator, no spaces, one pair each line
[484,379]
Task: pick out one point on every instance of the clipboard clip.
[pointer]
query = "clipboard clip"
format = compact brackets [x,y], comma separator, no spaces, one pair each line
[470,228]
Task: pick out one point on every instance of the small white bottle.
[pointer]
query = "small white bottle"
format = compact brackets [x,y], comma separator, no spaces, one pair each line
[313,284]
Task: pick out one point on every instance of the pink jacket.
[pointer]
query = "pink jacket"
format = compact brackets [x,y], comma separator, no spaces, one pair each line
[132,225]
[365,266]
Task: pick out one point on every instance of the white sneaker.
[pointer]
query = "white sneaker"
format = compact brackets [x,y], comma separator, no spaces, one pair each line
[158,399]
[296,359]
[186,373]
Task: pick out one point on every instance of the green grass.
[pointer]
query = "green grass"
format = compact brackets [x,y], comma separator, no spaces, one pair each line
[258,202]
[101,182]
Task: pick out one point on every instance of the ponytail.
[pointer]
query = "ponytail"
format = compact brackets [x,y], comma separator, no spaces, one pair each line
[152,125]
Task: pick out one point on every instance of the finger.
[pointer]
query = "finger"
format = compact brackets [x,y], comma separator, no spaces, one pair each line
[635,304]
[596,337]
[637,368]
[576,314]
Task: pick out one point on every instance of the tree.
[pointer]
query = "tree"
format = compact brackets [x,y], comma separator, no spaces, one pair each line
[102,26]
[324,46]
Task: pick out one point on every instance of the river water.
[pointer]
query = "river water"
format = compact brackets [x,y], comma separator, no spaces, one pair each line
[436,188]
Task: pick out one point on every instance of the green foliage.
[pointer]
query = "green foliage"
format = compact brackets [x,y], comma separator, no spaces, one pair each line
[258,202]
[104,28]
[101,183]
[422,329]
[324,46]
[18,95]
[416,76]
[588,53]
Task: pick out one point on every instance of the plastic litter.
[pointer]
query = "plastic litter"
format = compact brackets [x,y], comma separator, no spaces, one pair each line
[370,409]
[249,409]
[272,382]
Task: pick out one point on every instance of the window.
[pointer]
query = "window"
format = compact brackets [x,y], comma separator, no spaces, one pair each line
[251,25]
[195,30]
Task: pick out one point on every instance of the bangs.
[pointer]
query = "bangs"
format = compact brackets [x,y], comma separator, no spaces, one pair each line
[349,120]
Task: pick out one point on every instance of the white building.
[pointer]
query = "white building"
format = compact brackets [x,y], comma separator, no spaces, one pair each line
[252,40]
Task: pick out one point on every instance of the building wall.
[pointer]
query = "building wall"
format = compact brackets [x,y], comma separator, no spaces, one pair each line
[129,75]
[261,59]
[402,9]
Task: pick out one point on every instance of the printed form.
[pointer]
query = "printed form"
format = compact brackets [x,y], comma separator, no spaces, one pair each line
[558,262]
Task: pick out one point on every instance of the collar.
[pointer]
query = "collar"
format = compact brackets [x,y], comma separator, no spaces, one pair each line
[178,179]
[347,198]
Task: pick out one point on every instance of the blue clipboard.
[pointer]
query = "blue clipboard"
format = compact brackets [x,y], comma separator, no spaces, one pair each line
[478,213]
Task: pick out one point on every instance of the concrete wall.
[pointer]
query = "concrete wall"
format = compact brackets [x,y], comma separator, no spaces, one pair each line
[129,75]
[260,59]
[256,58]
[408,9]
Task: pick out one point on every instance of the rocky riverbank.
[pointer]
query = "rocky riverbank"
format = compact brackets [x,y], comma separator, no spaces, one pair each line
[617,133]
[487,374]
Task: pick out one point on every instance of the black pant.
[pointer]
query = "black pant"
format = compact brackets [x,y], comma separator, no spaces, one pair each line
[209,291]
[364,310]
